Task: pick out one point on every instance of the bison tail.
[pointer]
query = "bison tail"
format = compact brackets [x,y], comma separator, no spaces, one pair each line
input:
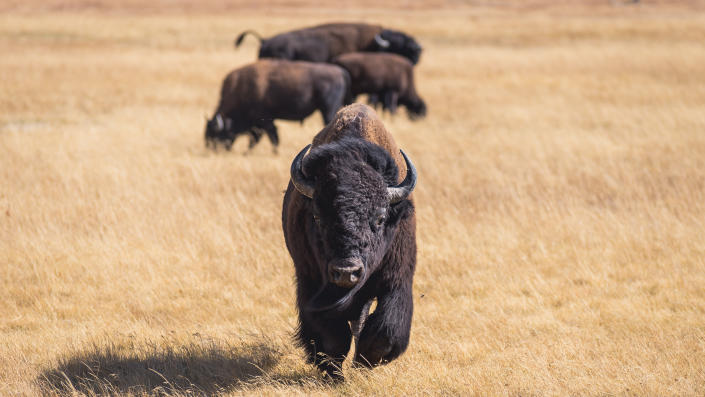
[242,35]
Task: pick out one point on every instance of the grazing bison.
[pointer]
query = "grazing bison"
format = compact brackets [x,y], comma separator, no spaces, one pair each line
[386,77]
[253,96]
[324,42]
[350,227]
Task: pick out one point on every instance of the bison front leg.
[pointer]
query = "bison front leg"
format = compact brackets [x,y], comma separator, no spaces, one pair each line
[255,135]
[385,335]
[326,342]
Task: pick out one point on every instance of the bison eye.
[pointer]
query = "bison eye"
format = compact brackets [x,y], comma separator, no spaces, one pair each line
[380,221]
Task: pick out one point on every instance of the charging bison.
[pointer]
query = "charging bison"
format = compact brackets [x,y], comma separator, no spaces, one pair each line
[253,96]
[386,77]
[322,43]
[350,227]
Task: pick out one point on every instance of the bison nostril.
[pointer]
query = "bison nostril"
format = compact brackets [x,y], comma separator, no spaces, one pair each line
[345,276]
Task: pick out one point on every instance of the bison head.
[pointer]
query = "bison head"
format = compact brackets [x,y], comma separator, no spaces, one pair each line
[415,108]
[353,213]
[217,131]
[399,43]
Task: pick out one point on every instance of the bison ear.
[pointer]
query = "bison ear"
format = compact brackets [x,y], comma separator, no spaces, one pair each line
[398,212]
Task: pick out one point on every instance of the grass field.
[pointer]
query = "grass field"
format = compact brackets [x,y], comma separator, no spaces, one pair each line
[560,204]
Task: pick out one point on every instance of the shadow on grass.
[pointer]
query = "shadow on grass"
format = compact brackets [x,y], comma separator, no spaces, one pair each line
[197,368]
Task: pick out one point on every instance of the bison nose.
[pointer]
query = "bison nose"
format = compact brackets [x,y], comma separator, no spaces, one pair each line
[345,273]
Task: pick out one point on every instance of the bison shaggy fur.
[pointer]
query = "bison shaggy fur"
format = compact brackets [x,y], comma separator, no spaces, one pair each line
[386,77]
[253,96]
[323,43]
[349,225]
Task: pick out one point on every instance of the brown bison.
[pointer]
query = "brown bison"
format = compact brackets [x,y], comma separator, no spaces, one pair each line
[349,225]
[386,77]
[322,43]
[253,96]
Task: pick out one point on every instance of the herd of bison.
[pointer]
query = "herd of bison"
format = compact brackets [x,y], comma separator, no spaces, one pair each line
[348,212]
[319,68]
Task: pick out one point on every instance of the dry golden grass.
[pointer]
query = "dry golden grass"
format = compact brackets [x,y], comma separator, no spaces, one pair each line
[561,206]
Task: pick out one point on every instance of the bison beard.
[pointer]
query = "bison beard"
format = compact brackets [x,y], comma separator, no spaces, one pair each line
[344,206]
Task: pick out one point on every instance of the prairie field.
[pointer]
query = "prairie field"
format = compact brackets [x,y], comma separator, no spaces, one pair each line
[560,205]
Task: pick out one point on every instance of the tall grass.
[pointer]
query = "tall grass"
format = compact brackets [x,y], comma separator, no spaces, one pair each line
[560,205]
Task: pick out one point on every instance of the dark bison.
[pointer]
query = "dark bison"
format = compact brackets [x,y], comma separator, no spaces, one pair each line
[324,42]
[350,227]
[388,78]
[253,96]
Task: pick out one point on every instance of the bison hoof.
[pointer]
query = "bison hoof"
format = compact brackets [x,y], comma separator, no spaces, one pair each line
[373,355]
[335,376]
[332,371]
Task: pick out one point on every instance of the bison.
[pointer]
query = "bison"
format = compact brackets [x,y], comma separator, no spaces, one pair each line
[253,96]
[386,77]
[350,228]
[323,43]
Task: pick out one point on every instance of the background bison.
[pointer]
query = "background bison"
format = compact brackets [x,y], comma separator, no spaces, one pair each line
[388,78]
[253,96]
[560,207]
[323,43]
[349,226]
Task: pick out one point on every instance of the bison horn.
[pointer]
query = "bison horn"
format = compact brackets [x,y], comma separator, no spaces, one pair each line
[404,189]
[381,42]
[298,178]
[219,123]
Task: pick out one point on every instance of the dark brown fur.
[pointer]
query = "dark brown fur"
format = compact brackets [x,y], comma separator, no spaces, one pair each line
[253,96]
[388,77]
[337,163]
[323,43]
